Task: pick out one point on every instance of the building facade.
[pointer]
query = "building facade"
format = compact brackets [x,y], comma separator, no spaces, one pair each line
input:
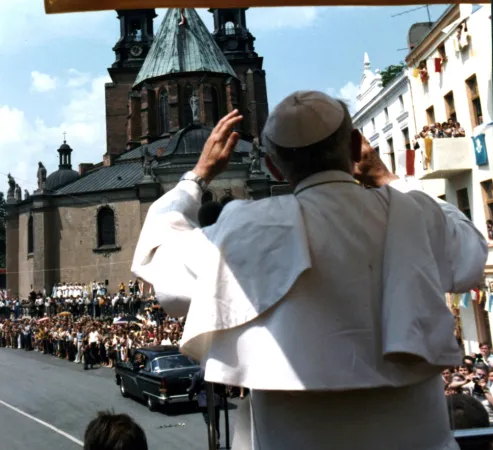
[168,90]
[385,117]
[450,72]
[449,76]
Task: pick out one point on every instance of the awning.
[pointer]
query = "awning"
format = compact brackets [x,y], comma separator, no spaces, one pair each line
[66,6]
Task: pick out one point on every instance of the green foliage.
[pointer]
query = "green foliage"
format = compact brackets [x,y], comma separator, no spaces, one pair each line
[2,231]
[391,72]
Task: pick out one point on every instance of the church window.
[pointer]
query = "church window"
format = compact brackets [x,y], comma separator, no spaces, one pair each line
[187,107]
[106,227]
[215,105]
[230,28]
[30,235]
[136,30]
[164,111]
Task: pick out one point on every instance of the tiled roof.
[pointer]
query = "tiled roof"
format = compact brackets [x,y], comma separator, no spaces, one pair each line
[187,141]
[182,49]
[118,176]
[136,153]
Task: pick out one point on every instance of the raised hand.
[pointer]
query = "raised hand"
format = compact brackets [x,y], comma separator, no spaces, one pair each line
[218,148]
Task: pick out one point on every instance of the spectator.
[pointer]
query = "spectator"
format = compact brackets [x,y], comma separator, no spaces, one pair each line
[110,431]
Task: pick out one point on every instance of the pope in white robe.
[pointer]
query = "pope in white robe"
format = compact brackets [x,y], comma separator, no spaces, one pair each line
[329,303]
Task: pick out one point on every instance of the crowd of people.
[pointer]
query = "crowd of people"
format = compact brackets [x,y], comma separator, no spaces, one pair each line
[86,325]
[473,378]
[449,129]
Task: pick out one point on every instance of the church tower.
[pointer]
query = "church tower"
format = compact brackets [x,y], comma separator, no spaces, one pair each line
[237,43]
[136,37]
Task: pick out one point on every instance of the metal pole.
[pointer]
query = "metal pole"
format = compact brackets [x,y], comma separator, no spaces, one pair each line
[226,420]
[211,429]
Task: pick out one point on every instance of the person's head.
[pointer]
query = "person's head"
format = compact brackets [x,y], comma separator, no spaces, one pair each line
[468,360]
[310,132]
[447,375]
[465,370]
[481,371]
[466,412]
[110,431]
[484,348]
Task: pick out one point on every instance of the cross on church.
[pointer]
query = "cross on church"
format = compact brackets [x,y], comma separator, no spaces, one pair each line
[64,136]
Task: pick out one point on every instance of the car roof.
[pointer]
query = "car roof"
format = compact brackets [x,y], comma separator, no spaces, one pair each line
[159,350]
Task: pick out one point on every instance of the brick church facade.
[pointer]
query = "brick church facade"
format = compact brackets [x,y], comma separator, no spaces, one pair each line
[168,90]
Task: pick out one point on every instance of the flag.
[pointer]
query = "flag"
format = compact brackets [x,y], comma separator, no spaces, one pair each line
[480,149]
[464,299]
[475,295]
[489,303]
[438,65]
[415,72]
[410,155]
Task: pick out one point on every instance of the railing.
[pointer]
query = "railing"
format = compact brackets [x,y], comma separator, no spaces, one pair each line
[444,158]
[475,438]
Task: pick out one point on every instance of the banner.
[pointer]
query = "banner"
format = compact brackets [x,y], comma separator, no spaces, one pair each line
[464,299]
[64,6]
[410,157]
[480,149]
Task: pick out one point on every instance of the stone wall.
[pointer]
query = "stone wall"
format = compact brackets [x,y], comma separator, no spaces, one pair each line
[12,253]
[78,239]
[26,262]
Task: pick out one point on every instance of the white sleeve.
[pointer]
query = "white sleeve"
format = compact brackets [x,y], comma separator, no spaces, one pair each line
[460,249]
[165,246]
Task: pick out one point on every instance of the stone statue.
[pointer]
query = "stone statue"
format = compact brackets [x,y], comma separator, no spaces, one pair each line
[18,193]
[27,195]
[147,160]
[195,105]
[41,175]
[255,158]
[11,191]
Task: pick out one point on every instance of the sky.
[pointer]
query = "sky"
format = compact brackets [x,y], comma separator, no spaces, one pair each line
[54,69]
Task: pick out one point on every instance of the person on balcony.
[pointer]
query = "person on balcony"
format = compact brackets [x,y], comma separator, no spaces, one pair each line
[362,272]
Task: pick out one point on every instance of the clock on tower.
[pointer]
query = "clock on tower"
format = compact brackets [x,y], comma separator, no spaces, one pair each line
[136,36]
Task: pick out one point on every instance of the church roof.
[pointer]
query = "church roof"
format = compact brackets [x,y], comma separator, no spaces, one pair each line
[106,178]
[187,141]
[59,178]
[183,48]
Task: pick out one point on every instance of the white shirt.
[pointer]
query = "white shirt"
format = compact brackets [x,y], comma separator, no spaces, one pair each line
[93,337]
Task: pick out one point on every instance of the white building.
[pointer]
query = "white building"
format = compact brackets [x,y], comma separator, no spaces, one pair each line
[457,83]
[385,116]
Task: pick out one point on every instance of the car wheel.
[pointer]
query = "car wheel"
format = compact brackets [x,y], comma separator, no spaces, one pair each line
[123,391]
[151,403]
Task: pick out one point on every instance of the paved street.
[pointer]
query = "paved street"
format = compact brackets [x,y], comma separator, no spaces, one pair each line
[61,395]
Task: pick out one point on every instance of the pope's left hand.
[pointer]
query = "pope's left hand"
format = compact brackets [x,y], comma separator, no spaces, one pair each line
[218,148]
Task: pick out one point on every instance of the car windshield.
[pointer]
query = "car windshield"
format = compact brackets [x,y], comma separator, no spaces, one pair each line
[172,362]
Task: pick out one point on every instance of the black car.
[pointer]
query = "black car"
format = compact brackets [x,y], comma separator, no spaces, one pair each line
[159,375]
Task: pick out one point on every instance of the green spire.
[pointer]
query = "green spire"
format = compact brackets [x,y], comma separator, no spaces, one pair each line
[183,48]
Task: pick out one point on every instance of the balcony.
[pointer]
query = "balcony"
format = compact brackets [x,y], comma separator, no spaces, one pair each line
[446,158]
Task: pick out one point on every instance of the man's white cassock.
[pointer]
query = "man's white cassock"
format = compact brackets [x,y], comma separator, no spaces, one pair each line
[336,288]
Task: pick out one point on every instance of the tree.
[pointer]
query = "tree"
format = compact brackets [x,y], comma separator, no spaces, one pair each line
[391,72]
[2,232]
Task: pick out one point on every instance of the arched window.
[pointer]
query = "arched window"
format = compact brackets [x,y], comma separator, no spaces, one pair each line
[230,28]
[215,105]
[30,235]
[106,227]
[187,107]
[164,112]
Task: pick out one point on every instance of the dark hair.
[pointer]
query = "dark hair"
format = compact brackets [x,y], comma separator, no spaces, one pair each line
[110,431]
[482,344]
[482,366]
[466,412]
[209,213]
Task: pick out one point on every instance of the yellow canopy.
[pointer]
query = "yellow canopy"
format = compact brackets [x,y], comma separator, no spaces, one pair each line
[66,6]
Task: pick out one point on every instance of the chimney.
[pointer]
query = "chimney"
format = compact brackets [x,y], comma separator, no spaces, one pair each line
[109,159]
[84,168]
